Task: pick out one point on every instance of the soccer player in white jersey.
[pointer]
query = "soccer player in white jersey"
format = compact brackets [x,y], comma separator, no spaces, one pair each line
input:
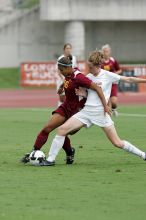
[67,51]
[93,112]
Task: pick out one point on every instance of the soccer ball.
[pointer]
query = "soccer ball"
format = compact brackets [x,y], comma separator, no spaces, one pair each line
[36,157]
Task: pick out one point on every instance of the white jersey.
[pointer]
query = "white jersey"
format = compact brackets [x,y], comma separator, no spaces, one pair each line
[105,79]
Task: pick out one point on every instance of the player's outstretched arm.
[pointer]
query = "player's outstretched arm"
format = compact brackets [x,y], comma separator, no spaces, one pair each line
[132,79]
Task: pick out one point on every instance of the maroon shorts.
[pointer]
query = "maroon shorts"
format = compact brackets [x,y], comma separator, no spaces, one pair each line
[64,111]
[114,90]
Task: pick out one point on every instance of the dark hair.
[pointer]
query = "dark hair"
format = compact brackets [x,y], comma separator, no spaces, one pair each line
[65,61]
[65,45]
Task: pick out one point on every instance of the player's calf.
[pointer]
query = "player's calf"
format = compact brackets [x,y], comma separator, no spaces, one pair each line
[70,158]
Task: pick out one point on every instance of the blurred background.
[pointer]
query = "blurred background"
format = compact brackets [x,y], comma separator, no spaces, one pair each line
[34,32]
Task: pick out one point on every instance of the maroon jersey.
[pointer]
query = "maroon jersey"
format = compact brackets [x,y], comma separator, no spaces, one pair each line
[110,65]
[72,103]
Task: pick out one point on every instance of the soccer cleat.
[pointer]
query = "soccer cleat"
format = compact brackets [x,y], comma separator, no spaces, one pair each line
[47,163]
[70,158]
[25,158]
[115,112]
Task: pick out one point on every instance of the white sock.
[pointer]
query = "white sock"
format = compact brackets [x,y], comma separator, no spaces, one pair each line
[56,145]
[134,150]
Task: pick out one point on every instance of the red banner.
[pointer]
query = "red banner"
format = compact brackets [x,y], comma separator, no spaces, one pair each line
[39,74]
[42,73]
[46,74]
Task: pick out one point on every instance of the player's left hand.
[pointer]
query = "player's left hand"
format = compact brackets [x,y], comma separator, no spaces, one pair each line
[81,92]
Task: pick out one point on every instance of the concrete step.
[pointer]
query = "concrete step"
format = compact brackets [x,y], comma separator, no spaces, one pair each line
[9,16]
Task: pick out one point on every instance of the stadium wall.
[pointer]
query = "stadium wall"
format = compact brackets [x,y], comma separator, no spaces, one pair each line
[93,10]
[29,38]
[127,39]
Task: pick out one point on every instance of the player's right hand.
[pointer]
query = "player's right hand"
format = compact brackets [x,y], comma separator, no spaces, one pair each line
[108,110]
[60,90]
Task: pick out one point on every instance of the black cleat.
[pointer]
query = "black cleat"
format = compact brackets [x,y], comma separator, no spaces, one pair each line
[47,163]
[25,158]
[70,159]
[145,156]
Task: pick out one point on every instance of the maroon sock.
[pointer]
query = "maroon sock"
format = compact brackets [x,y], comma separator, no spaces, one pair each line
[67,147]
[41,140]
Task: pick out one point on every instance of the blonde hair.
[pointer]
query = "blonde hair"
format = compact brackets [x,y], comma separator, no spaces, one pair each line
[96,58]
[106,46]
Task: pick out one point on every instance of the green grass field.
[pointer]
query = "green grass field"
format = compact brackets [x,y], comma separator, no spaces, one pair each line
[9,78]
[104,183]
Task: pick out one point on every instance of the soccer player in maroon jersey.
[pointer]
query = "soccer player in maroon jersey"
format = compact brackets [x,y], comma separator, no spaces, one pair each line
[110,64]
[67,51]
[73,80]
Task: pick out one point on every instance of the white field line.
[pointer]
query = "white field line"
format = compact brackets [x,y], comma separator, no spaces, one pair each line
[120,113]
[132,115]
[40,109]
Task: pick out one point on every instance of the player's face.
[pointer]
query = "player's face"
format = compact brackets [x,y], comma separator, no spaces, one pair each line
[106,53]
[67,50]
[66,71]
[91,67]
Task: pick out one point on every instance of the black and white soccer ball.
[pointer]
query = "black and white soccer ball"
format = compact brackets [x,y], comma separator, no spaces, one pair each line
[36,157]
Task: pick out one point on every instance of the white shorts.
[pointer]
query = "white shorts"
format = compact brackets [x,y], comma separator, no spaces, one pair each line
[89,118]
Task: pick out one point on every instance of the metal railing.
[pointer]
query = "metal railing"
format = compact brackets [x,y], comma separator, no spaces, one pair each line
[12,9]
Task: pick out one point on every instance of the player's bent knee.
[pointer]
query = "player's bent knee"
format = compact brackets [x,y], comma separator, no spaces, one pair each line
[114,105]
[62,131]
[48,129]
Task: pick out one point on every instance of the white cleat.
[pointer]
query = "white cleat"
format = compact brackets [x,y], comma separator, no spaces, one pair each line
[115,113]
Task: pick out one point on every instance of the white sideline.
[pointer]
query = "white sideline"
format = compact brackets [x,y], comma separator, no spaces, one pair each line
[120,113]
[39,109]
[132,115]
